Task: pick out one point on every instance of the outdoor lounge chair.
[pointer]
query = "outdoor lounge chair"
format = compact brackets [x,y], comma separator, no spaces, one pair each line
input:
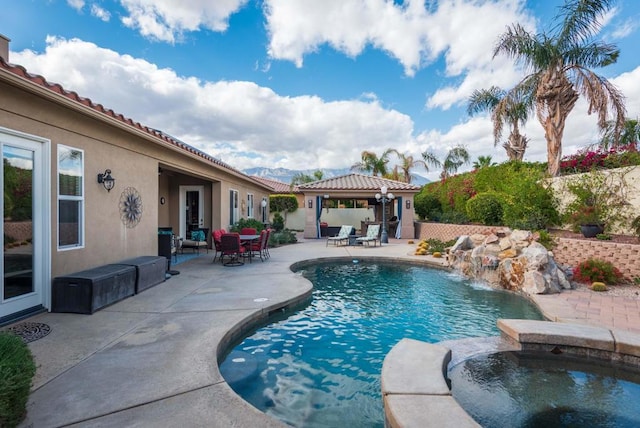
[342,236]
[372,235]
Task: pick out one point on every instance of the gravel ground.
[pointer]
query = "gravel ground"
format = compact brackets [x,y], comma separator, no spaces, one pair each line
[630,291]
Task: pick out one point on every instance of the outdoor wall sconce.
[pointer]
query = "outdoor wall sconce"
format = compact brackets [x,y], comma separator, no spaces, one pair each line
[310,203]
[408,203]
[263,204]
[107,180]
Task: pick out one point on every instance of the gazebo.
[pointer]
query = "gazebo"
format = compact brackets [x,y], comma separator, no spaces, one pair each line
[351,199]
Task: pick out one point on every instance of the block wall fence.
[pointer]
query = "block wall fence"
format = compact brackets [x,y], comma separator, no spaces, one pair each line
[570,252]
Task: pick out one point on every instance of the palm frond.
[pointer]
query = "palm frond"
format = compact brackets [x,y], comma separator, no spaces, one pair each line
[581,20]
[602,95]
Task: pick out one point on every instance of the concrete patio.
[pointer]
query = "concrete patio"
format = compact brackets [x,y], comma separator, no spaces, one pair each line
[152,359]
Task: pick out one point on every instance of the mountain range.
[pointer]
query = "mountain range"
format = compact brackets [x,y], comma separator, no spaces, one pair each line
[285,175]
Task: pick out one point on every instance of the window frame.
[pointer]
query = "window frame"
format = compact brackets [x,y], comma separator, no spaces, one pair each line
[74,198]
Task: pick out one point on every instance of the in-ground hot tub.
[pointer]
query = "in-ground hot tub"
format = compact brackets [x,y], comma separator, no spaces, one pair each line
[574,372]
[534,389]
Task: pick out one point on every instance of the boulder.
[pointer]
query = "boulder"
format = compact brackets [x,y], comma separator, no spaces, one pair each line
[513,261]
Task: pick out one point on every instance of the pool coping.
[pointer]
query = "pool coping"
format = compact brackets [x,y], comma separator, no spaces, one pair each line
[414,372]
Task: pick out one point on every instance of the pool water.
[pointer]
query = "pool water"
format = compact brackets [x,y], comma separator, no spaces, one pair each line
[536,390]
[320,366]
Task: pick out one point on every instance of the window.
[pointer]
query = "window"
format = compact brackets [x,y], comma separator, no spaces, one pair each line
[233,207]
[249,205]
[70,197]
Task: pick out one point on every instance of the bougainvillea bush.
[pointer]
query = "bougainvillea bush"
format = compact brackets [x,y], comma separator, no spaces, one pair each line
[592,270]
[590,158]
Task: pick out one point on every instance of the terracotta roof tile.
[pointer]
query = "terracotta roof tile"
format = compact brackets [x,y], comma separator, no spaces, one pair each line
[278,186]
[22,72]
[358,182]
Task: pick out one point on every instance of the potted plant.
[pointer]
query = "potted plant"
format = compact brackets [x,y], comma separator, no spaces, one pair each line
[598,202]
[588,220]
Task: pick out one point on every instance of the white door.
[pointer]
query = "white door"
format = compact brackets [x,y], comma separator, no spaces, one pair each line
[26,227]
[191,209]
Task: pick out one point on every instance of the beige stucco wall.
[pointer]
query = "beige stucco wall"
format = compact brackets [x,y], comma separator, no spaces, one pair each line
[631,177]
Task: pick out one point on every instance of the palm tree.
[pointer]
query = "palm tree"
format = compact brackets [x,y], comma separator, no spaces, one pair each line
[455,158]
[372,163]
[560,71]
[506,108]
[630,134]
[483,162]
[407,163]
[301,178]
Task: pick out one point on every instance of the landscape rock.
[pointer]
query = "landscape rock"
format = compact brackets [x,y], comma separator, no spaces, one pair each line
[510,260]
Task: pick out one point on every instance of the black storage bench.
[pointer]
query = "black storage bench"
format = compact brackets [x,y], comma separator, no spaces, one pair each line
[87,291]
[150,271]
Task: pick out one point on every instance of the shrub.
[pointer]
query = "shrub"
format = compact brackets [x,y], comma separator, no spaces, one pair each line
[247,222]
[596,270]
[284,237]
[438,246]
[16,372]
[546,239]
[485,208]
[428,206]
[278,222]
[603,237]
[599,286]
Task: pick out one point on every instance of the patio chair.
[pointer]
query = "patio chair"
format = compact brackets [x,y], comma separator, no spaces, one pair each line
[266,244]
[342,236]
[216,236]
[258,247]
[248,231]
[230,245]
[372,235]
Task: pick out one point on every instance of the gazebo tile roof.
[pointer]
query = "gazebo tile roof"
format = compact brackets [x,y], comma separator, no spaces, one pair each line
[355,181]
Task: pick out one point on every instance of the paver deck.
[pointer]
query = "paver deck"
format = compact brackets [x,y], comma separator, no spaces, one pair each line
[152,359]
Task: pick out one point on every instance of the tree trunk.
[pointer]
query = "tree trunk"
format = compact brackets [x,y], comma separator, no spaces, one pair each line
[555,98]
[516,144]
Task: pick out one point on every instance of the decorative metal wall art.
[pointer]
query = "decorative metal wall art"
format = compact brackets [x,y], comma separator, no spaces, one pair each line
[130,207]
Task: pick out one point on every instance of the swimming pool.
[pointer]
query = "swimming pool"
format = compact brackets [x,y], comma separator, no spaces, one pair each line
[320,366]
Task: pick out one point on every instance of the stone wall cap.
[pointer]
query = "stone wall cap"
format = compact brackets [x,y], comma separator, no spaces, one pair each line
[553,333]
[414,367]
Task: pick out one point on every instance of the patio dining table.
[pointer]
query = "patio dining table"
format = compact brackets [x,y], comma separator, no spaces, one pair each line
[247,240]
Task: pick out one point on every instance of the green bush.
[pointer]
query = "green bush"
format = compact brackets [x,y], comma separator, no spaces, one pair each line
[17,369]
[592,270]
[438,246]
[485,208]
[284,237]
[428,206]
[546,239]
[247,222]
[278,222]
[527,201]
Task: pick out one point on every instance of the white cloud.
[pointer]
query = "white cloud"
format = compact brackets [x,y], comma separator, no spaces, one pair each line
[240,122]
[167,20]
[100,13]
[76,4]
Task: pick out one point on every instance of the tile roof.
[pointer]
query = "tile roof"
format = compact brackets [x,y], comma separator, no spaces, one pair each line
[278,186]
[56,88]
[356,181]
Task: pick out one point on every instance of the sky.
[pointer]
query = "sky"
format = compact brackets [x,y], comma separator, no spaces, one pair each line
[305,84]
